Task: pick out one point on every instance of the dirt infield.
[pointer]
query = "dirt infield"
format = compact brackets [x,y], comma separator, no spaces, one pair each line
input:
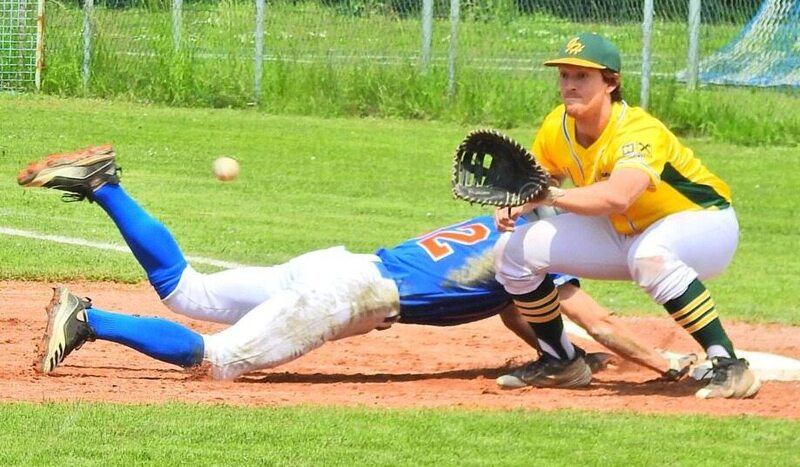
[406,366]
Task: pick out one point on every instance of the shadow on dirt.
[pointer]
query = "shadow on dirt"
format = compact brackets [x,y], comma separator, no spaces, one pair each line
[468,374]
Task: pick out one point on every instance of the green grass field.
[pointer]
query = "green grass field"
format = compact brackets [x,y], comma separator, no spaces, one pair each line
[178,434]
[308,183]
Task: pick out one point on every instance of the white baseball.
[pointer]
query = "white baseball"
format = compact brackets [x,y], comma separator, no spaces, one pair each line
[226,168]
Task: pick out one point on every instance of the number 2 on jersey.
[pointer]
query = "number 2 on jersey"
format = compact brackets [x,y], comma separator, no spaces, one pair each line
[437,244]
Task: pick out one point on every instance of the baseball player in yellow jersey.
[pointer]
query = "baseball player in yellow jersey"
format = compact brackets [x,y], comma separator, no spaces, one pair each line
[641,207]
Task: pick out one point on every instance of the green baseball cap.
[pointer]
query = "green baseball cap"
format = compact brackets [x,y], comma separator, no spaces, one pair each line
[588,50]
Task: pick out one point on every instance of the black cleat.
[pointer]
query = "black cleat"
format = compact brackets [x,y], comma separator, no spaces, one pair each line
[67,329]
[549,371]
[79,173]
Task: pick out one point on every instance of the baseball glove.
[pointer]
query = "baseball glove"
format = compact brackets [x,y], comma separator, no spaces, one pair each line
[491,168]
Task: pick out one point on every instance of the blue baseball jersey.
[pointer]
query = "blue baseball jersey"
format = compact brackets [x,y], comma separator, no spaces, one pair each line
[430,273]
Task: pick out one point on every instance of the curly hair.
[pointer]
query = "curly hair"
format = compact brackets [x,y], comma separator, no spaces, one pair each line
[612,77]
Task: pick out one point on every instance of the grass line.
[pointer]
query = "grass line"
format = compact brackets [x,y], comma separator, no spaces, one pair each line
[108,246]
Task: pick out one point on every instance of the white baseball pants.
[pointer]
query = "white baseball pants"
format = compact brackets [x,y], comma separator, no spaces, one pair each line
[663,260]
[282,312]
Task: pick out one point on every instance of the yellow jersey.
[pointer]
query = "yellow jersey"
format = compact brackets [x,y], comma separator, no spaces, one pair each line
[632,138]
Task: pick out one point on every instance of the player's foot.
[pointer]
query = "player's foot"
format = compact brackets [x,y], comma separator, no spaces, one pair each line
[732,379]
[79,173]
[549,371]
[679,366]
[67,329]
[598,361]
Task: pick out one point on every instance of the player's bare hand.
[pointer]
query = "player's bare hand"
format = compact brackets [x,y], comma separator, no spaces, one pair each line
[506,217]
[503,220]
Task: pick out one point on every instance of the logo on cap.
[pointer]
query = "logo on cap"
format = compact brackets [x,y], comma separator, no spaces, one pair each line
[574,46]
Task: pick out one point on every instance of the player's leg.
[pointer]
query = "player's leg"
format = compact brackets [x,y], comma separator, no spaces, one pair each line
[346,296]
[668,261]
[155,337]
[223,297]
[560,243]
[92,173]
[73,321]
[151,243]
[285,327]
[343,296]
[513,321]
[576,245]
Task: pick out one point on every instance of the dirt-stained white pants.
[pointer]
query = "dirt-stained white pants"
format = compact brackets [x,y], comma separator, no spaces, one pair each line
[663,260]
[282,312]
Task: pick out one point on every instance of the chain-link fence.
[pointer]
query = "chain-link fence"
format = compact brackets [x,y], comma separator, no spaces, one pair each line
[410,58]
[20,44]
[509,36]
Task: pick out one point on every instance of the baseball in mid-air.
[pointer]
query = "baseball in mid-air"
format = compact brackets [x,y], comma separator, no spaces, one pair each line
[226,168]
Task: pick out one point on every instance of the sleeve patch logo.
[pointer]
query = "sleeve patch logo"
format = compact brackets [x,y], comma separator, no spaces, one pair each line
[635,150]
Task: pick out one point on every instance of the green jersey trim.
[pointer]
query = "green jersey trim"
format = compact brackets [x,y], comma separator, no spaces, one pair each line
[701,195]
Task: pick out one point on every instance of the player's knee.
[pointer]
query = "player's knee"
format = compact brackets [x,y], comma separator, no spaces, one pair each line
[507,266]
[661,276]
[224,372]
[508,259]
[192,298]
[518,269]
[648,270]
[166,280]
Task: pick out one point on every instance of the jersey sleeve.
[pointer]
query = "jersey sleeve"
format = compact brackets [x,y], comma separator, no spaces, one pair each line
[642,149]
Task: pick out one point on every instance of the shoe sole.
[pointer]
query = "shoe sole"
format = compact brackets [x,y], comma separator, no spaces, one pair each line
[751,391]
[510,382]
[53,341]
[37,174]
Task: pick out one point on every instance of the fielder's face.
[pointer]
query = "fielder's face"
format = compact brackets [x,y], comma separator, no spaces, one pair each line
[583,91]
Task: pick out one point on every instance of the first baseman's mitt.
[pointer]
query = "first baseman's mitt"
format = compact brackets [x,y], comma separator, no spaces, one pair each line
[491,168]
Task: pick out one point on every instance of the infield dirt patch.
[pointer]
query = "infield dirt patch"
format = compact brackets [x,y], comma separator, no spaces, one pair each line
[405,366]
